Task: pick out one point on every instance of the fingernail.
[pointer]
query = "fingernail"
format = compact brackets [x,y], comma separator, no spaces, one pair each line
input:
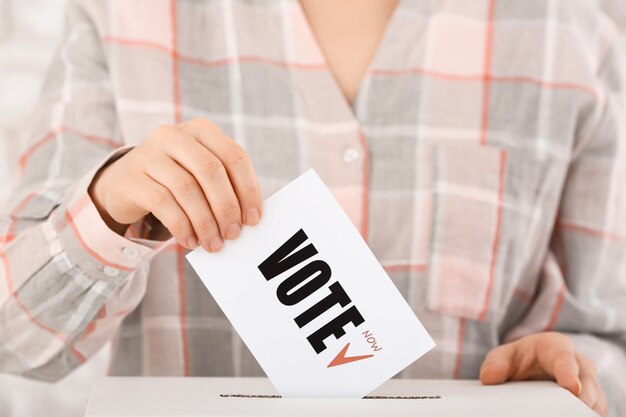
[216,245]
[253,217]
[580,389]
[192,242]
[233,232]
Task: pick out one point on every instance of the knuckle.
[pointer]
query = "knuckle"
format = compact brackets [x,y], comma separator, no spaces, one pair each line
[211,167]
[180,226]
[163,132]
[563,339]
[237,156]
[562,355]
[159,198]
[164,137]
[205,124]
[208,226]
[185,184]
[228,209]
[251,190]
[203,121]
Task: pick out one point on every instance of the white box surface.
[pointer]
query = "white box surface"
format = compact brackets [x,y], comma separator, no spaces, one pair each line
[202,397]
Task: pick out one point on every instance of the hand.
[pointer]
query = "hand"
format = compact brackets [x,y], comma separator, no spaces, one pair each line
[192,177]
[546,356]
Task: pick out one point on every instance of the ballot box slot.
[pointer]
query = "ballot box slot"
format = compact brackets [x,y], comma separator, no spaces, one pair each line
[369,397]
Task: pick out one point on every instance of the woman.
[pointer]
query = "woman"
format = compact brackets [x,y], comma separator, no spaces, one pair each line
[478,146]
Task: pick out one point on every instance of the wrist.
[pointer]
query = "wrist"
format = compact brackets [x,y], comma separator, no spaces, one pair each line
[98,196]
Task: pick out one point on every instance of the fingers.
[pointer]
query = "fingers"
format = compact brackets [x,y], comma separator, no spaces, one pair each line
[557,357]
[602,407]
[499,365]
[591,392]
[152,196]
[546,355]
[566,371]
[197,172]
[191,198]
[211,174]
[237,164]
[539,356]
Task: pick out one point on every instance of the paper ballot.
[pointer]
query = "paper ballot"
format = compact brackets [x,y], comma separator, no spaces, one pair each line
[310,300]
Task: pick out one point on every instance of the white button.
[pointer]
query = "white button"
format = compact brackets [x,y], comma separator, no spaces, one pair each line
[111,272]
[350,155]
[130,252]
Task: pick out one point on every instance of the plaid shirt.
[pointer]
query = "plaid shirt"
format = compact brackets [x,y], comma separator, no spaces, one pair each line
[483,160]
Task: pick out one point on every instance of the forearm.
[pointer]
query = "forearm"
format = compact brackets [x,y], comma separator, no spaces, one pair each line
[58,272]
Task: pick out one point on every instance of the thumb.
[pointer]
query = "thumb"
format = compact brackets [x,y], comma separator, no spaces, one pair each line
[498,365]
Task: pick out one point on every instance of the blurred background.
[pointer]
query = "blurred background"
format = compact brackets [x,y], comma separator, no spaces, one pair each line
[29,33]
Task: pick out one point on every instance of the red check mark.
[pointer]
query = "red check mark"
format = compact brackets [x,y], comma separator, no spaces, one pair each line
[342,359]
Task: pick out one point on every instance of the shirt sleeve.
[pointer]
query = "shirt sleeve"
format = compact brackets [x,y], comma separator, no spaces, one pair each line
[582,288]
[66,279]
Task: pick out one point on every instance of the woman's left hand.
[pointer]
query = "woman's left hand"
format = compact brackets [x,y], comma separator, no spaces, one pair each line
[547,355]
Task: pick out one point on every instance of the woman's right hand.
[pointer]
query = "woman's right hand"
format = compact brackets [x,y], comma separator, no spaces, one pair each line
[192,177]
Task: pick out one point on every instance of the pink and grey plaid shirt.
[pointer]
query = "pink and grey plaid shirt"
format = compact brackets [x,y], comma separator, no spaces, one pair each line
[484,161]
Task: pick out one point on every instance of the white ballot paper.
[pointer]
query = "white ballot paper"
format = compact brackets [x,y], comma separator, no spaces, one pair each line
[310,300]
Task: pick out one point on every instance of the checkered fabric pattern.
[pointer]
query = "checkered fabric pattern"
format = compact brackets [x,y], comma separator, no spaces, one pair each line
[483,160]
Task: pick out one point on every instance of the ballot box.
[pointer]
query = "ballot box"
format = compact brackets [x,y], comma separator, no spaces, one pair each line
[256,397]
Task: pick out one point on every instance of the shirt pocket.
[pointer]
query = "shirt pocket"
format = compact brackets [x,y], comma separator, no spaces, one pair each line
[489,207]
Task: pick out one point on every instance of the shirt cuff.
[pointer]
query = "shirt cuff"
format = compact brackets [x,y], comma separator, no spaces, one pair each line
[89,242]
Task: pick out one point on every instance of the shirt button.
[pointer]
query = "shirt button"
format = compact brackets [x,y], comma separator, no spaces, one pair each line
[110,272]
[130,252]
[350,155]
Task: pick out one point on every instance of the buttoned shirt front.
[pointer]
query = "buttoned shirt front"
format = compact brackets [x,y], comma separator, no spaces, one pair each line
[482,160]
